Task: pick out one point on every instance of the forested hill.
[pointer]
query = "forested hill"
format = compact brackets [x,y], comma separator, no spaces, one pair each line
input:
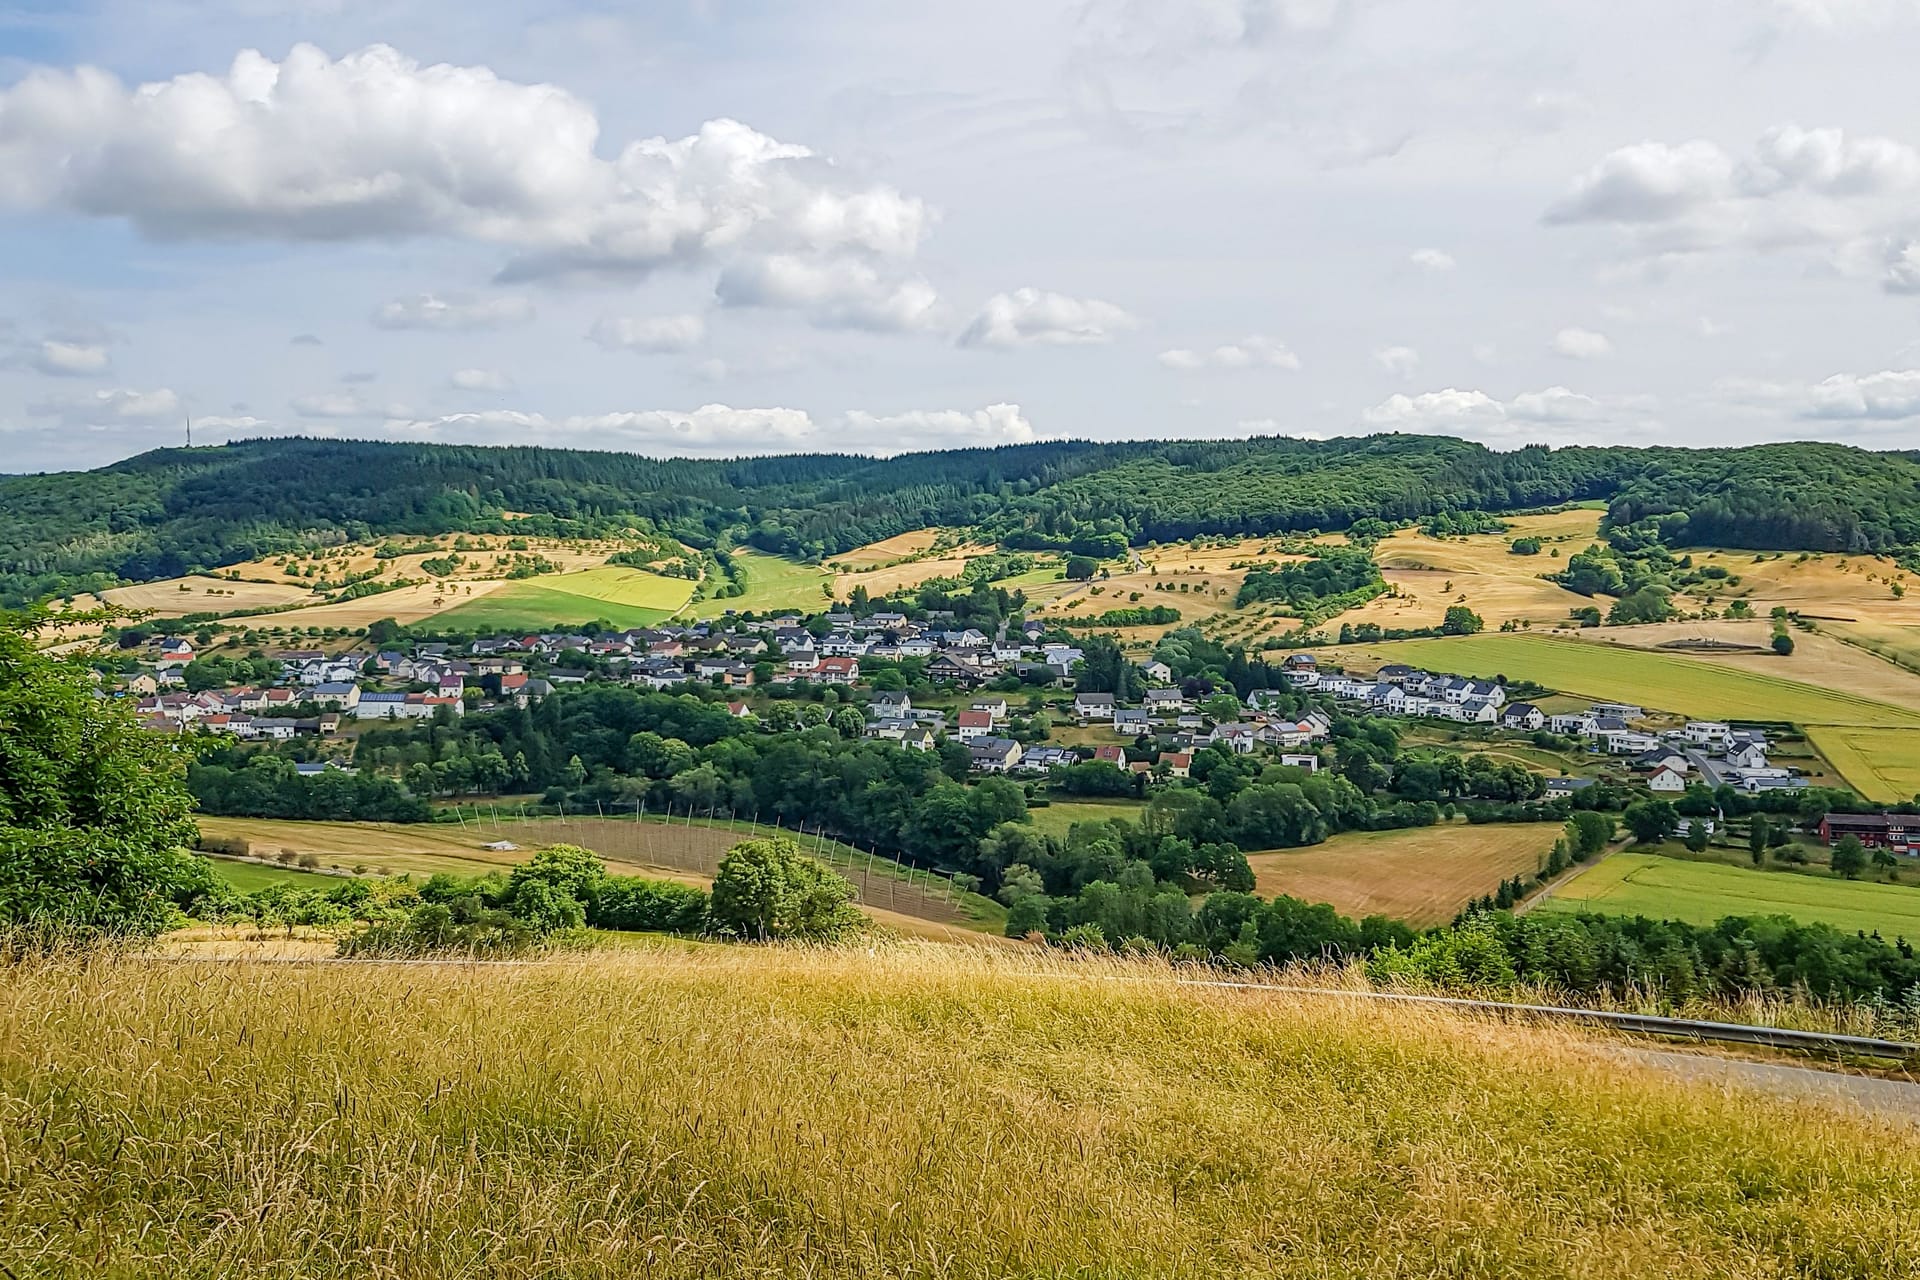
[174,511]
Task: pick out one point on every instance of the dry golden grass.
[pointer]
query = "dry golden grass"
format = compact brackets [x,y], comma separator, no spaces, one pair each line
[887,550]
[912,1111]
[885,579]
[205,595]
[1423,876]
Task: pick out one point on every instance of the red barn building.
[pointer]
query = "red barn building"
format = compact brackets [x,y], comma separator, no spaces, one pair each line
[1896,831]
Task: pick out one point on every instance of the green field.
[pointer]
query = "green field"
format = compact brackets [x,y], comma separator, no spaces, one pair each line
[624,597]
[1641,884]
[1881,764]
[773,583]
[249,876]
[1657,681]
[1058,817]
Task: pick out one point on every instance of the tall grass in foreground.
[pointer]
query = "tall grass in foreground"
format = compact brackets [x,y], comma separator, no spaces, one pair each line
[909,1111]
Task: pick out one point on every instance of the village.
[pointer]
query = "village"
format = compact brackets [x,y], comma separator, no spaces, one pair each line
[322,695]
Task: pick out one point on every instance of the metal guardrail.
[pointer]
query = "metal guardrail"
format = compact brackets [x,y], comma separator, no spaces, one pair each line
[1634,1023]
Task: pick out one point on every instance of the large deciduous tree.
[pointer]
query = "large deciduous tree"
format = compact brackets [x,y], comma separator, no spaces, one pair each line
[94,811]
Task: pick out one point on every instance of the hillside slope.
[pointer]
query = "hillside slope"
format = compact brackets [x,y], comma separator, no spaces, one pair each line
[910,1112]
[173,511]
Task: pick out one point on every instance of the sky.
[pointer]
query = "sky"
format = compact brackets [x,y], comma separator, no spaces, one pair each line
[719,227]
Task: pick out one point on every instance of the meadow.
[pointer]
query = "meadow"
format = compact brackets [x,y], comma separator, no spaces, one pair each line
[1423,876]
[774,584]
[1058,817]
[248,877]
[1643,884]
[624,597]
[1659,681]
[906,1111]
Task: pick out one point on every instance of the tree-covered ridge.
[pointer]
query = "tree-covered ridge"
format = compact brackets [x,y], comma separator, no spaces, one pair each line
[176,511]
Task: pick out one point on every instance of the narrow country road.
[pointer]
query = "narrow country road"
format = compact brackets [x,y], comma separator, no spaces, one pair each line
[1893,1099]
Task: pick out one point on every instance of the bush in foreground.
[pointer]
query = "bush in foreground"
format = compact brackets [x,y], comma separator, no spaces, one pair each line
[923,1112]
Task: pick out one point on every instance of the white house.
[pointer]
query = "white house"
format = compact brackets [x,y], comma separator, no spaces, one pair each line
[1668,780]
[1093,706]
[1523,715]
[1707,733]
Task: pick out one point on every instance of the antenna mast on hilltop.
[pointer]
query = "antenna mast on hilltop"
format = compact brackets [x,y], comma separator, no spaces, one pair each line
[189,417]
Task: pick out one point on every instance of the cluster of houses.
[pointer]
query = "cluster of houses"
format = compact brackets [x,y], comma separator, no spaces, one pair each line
[1669,762]
[1178,731]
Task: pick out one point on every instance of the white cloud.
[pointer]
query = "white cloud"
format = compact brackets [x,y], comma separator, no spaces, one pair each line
[1435,409]
[650,335]
[1398,361]
[919,429]
[837,293]
[376,145]
[107,407]
[1254,352]
[1555,404]
[480,380]
[1030,316]
[1581,344]
[455,313]
[70,359]
[1889,396]
[1432,260]
[1819,188]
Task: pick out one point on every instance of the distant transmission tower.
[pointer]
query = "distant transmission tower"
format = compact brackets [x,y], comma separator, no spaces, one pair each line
[189,418]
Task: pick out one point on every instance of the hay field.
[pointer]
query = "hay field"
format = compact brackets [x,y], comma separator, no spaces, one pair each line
[916,1111]
[1057,817]
[1659,681]
[887,550]
[885,579]
[204,594]
[406,605]
[1701,893]
[1422,876]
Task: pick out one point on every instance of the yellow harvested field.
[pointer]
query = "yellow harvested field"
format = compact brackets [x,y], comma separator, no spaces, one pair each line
[200,594]
[886,551]
[479,558]
[1423,876]
[881,581]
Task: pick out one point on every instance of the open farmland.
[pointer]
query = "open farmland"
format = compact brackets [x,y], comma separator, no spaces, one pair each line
[745,1111]
[1660,681]
[773,584]
[875,554]
[1641,884]
[1423,876]
[1881,764]
[622,596]
[173,597]
[249,876]
[884,580]
[1430,574]
[1817,659]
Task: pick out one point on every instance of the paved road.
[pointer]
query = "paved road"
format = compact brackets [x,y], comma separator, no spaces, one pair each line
[1896,1099]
